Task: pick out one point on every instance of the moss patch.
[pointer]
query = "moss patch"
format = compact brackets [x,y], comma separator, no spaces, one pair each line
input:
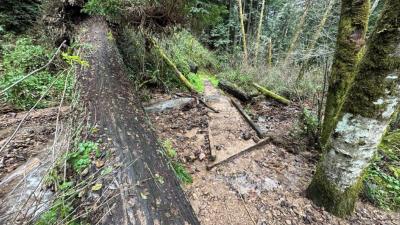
[382,183]
[326,194]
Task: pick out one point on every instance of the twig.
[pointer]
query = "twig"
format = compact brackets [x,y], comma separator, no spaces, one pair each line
[35,71]
[261,143]
[206,105]
[247,210]
[58,117]
[26,116]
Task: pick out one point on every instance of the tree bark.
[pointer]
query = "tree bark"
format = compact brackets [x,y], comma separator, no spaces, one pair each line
[245,54]
[349,50]
[115,109]
[372,101]
[269,54]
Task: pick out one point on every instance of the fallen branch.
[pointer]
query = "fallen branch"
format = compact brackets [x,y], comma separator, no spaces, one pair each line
[271,94]
[178,73]
[234,91]
[242,152]
[35,71]
[248,119]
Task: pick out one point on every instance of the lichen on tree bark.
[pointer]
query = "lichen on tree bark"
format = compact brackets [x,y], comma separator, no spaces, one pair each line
[372,101]
[349,50]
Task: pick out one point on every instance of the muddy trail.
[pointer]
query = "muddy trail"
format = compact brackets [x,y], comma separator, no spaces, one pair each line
[26,160]
[265,185]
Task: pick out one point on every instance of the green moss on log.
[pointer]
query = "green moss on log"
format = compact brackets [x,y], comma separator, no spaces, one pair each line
[271,94]
[349,51]
[326,194]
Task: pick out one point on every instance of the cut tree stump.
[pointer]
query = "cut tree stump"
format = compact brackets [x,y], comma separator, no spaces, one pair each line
[114,107]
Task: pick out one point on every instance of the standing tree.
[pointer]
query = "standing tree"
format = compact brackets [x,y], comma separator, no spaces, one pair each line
[259,29]
[297,32]
[349,50]
[372,101]
[241,18]
[314,39]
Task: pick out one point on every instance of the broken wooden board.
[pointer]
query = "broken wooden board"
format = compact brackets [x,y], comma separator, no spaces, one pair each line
[226,128]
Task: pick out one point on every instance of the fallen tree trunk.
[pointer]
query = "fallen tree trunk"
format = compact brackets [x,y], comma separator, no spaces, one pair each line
[259,132]
[271,94]
[115,109]
[178,73]
[234,91]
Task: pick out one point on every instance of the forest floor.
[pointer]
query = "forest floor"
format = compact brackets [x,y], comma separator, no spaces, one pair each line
[264,186]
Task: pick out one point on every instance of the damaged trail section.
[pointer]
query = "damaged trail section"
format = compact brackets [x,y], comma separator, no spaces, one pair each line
[114,108]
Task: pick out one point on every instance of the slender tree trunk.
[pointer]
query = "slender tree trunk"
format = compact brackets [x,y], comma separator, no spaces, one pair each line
[315,38]
[269,56]
[349,50]
[298,31]
[374,6]
[245,55]
[372,101]
[259,30]
[250,17]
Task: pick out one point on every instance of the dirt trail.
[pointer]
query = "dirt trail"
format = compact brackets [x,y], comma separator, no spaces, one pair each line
[228,133]
[265,186]
[116,111]
[25,161]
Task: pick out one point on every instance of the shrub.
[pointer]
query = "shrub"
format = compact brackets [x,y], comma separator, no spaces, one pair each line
[18,61]
[382,180]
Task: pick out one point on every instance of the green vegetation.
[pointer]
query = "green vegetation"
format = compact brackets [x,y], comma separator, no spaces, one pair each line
[179,169]
[382,182]
[18,16]
[18,60]
[82,157]
[110,8]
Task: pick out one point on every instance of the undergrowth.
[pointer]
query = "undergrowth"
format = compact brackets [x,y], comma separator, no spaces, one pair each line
[19,59]
[178,168]
[382,182]
[277,79]
[148,68]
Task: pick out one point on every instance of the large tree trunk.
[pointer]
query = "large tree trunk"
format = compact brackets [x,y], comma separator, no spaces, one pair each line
[349,50]
[372,101]
[115,109]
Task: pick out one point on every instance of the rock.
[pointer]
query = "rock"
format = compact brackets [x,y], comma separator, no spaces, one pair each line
[202,156]
[99,163]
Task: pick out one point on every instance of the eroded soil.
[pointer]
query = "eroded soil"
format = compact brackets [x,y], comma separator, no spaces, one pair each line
[265,186]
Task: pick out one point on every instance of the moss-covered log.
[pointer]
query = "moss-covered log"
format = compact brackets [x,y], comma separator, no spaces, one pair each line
[178,73]
[371,103]
[271,94]
[349,50]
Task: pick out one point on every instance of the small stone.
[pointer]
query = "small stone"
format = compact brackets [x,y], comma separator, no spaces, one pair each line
[85,172]
[202,156]
[99,163]
[288,222]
